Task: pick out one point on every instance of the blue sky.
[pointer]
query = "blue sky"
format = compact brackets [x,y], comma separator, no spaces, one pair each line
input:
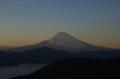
[30,21]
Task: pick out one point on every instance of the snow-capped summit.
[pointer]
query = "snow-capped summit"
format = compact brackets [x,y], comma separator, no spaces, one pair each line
[63,39]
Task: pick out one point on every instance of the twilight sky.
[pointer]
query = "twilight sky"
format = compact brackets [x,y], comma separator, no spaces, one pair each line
[24,22]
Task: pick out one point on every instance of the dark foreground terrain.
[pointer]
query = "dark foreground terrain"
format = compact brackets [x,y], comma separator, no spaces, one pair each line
[78,69]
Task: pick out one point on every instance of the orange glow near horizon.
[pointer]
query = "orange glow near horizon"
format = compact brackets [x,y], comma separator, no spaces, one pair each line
[26,22]
[18,42]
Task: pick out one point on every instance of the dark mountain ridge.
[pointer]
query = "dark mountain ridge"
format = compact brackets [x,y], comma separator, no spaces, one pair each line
[47,55]
[62,45]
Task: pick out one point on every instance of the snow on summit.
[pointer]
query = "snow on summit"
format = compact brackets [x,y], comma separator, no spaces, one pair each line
[66,40]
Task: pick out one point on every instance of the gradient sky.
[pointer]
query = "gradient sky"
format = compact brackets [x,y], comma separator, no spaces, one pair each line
[24,22]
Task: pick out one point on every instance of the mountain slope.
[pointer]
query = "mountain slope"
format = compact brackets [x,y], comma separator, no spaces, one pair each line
[68,41]
[62,41]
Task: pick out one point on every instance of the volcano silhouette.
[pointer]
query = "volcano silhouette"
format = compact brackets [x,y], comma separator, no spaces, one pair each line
[65,42]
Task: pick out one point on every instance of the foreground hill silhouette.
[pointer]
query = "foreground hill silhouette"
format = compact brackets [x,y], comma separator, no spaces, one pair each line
[78,69]
[48,55]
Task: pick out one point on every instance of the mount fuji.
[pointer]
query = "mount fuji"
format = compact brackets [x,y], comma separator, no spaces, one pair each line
[64,42]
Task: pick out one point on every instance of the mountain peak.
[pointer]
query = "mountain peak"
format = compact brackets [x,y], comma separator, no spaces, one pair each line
[62,33]
[64,39]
